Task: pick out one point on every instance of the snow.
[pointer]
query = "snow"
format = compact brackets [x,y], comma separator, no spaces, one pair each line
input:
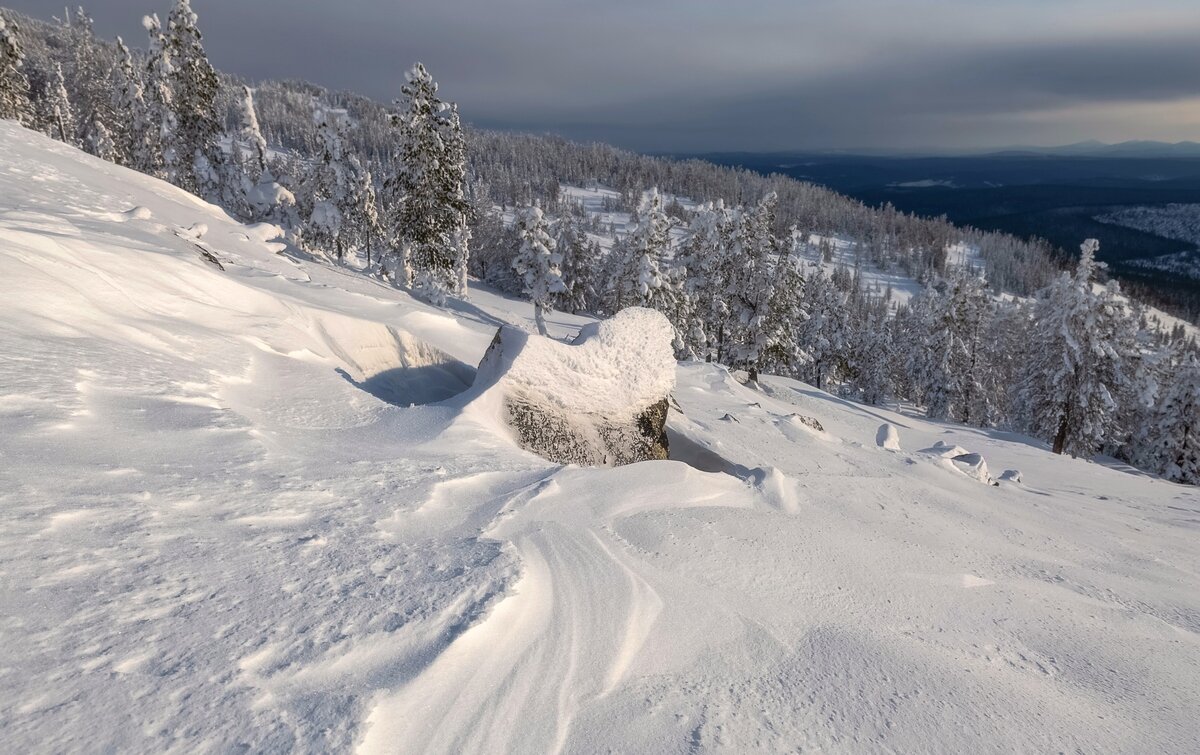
[593,201]
[223,526]
[943,450]
[973,465]
[268,194]
[583,402]
[615,367]
[1158,319]
[875,281]
[887,437]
